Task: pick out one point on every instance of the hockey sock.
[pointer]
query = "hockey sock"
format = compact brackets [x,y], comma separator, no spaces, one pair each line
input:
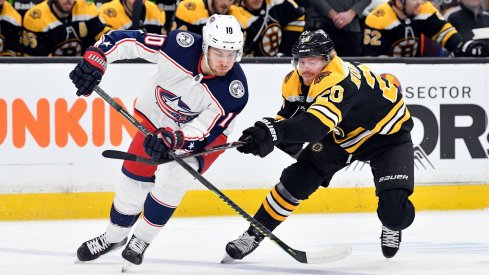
[156,215]
[119,226]
[276,207]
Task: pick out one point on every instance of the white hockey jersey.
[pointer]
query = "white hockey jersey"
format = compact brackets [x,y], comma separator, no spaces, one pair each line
[179,96]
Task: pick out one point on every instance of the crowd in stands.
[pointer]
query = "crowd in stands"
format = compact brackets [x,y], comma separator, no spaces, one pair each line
[398,28]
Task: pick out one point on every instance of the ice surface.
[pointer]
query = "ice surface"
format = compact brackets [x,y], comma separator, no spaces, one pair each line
[454,242]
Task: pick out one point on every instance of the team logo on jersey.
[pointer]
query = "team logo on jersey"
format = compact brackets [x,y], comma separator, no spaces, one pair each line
[110,12]
[317,147]
[35,14]
[190,6]
[379,13]
[185,39]
[320,76]
[173,106]
[271,39]
[236,89]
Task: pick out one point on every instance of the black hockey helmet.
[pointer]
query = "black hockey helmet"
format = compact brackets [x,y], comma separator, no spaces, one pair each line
[312,43]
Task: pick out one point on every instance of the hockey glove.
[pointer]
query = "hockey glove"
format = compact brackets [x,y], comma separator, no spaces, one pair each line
[261,138]
[89,71]
[472,48]
[164,139]
[172,139]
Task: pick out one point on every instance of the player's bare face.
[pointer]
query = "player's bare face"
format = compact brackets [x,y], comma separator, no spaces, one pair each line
[65,6]
[310,67]
[221,6]
[253,5]
[412,7]
[220,61]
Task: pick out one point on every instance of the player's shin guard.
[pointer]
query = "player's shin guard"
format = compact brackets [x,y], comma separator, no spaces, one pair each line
[156,215]
[276,207]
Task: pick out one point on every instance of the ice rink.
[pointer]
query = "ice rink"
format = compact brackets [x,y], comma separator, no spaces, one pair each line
[436,243]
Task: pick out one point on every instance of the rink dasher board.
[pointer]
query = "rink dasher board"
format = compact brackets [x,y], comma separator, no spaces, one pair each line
[52,140]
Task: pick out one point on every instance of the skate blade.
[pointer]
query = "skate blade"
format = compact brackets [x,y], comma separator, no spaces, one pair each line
[125,266]
[227,259]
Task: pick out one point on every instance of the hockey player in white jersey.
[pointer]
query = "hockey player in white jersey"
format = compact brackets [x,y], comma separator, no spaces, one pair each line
[190,103]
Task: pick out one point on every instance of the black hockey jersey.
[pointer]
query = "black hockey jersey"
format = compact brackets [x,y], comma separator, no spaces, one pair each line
[10,29]
[387,35]
[272,29]
[47,35]
[348,100]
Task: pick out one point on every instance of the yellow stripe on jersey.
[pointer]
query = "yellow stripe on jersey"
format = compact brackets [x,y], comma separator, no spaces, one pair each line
[350,135]
[398,125]
[446,32]
[281,201]
[296,25]
[324,119]
[323,105]
[392,117]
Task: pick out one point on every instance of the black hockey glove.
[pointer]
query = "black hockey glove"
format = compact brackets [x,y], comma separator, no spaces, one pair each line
[261,138]
[164,139]
[472,48]
[172,139]
[89,71]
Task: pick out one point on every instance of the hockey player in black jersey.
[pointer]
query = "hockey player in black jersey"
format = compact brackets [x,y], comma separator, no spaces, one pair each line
[347,112]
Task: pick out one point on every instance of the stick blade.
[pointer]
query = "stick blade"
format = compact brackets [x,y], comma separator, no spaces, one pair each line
[335,253]
[114,154]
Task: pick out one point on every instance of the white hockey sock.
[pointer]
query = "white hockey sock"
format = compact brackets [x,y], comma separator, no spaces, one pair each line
[146,231]
[116,233]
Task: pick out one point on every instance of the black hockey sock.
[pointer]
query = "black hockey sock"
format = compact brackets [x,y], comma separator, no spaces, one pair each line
[276,207]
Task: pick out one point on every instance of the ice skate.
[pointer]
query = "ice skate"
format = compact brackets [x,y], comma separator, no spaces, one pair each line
[134,252]
[390,241]
[96,247]
[241,247]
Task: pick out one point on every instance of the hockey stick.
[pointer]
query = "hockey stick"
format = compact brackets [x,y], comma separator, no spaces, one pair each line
[323,256]
[114,154]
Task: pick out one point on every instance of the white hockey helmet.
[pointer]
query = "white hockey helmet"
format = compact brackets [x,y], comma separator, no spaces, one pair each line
[222,32]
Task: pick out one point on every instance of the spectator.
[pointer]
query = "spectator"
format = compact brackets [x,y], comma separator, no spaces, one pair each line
[191,15]
[444,6]
[61,28]
[394,29]
[271,27]
[133,15]
[339,18]
[470,20]
[10,29]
